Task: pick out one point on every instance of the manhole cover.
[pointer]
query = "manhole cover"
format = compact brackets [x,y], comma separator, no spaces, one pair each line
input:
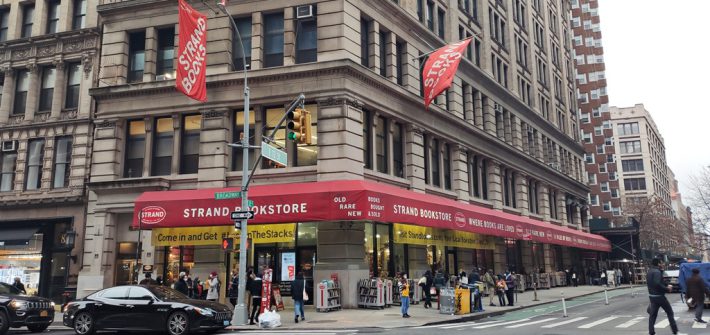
[323,321]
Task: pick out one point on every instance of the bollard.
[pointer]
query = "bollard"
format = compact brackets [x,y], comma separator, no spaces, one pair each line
[606,298]
[535,292]
[564,305]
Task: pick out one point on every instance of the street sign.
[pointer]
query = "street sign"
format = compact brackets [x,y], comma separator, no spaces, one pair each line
[273,153]
[243,215]
[227,195]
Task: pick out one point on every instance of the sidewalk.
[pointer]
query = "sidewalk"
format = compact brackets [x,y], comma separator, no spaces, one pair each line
[392,318]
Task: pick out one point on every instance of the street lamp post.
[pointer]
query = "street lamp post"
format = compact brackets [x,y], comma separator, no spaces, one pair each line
[138,245]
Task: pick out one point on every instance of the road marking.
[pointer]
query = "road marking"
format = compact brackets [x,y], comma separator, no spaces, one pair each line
[700,324]
[459,325]
[500,324]
[564,322]
[631,322]
[531,323]
[664,323]
[598,322]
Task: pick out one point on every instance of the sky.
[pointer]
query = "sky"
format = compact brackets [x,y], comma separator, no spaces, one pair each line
[657,52]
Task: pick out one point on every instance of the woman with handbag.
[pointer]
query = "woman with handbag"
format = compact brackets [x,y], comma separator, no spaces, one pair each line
[501,287]
[299,295]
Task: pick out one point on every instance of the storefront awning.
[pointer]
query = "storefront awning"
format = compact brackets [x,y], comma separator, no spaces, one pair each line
[349,200]
[15,236]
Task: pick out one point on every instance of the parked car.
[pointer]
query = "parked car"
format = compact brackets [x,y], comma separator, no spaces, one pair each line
[145,308]
[20,310]
[670,277]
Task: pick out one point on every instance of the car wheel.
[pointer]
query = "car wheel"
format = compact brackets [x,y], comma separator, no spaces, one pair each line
[37,328]
[84,324]
[4,323]
[178,324]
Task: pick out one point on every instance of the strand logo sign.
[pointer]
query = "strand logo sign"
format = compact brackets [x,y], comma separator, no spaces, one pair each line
[192,51]
[153,214]
[460,219]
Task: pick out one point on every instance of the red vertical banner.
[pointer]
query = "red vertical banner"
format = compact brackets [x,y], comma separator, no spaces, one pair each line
[266,290]
[440,68]
[192,52]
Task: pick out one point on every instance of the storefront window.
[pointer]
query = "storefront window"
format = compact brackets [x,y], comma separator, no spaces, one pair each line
[125,263]
[538,257]
[435,256]
[377,249]
[178,259]
[22,260]
[512,255]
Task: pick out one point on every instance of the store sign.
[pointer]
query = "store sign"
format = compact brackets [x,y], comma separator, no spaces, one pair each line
[266,280]
[418,235]
[288,266]
[272,233]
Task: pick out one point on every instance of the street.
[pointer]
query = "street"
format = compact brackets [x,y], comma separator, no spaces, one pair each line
[625,314]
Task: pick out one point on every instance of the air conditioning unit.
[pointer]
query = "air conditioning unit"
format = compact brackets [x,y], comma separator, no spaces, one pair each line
[304,12]
[9,146]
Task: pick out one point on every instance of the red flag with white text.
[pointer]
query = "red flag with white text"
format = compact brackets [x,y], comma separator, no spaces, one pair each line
[440,68]
[192,52]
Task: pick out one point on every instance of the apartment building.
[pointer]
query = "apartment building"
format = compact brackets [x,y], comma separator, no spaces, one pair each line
[386,186]
[49,57]
[595,121]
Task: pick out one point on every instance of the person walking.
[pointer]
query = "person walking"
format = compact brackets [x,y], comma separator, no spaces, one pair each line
[181,285]
[254,286]
[427,288]
[298,287]
[19,285]
[696,290]
[501,288]
[605,282]
[148,280]
[657,296]
[490,286]
[574,278]
[475,276]
[213,292]
[510,287]
[618,276]
[234,288]
[404,291]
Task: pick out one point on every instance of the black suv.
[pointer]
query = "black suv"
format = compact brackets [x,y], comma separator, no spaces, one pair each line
[19,310]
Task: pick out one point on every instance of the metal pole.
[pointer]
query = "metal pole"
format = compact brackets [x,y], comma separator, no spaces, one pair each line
[564,305]
[138,246]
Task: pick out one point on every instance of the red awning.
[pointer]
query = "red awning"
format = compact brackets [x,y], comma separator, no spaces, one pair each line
[349,200]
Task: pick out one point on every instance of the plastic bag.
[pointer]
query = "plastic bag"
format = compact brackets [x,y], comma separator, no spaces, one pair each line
[269,319]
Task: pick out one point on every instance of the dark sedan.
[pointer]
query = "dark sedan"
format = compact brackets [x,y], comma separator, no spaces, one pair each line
[145,308]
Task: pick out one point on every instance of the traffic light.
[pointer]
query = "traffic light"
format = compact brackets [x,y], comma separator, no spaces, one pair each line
[299,126]
[227,244]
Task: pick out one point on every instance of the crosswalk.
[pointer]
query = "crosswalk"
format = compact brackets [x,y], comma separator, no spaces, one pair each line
[580,322]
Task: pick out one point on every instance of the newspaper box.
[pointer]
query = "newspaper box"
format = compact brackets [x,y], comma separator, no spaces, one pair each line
[463,301]
[447,301]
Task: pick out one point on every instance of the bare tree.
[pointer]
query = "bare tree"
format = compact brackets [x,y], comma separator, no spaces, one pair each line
[658,229]
[699,200]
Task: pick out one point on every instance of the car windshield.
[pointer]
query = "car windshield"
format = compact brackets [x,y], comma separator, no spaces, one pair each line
[164,293]
[8,289]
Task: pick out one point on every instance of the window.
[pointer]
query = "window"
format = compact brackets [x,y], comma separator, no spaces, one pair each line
[161,163]
[28,12]
[630,147]
[306,41]
[398,150]
[427,159]
[600,149]
[632,165]
[190,144]
[238,135]
[441,16]
[594,200]
[238,54]
[589,158]
[497,26]
[602,168]
[49,75]
[35,158]
[420,10]
[273,40]
[401,60]
[118,293]
[365,42]
[62,161]
[508,188]
[447,166]
[519,13]
[73,85]
[606,206]
[592,178]
[381,145]
[4,20]
[628,128]
[166,51]
[367,139]
[554,214]
[21,88]
[136,56]
[135,149]
[138,293]
[435,163]
[604,186]
[635,184]
[383,53]
[52,16]
[533,205]
[79,20]
[7,170]
[430,15]
[273,115]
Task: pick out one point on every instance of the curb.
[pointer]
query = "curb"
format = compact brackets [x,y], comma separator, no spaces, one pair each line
[467,318]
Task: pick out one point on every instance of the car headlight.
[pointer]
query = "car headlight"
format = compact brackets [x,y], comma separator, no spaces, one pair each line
[18,304]
[204,311]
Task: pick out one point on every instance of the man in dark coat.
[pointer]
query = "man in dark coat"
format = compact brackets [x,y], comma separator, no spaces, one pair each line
[254,287]
[697,290]
[297,288]
[510,292]
[19,285]
[657,295]
[427,288]
[181,284]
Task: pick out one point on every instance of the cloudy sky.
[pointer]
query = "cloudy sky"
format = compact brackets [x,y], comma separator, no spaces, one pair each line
[657,53]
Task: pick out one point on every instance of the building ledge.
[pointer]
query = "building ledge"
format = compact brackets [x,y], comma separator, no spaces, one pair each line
[130,185]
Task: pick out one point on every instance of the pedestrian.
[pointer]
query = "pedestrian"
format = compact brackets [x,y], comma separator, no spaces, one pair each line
[181,284]
[254,286]
[490,282]
[147,280]
[618,276]
[298,288]
[568,277]
[604,279]
[574,278]
[510,287]
[657,296]
[475,276]
[427,288]
[695,295]
[404,291]
[234,288]
[190,286]
[213,292]
[463,279]
[19,285]
[501,288]
[159,281]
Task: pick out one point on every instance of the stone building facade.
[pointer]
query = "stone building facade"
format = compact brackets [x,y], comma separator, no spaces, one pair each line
[49,58]
[503,138]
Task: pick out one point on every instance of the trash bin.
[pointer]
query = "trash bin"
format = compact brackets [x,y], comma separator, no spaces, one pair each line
[447,301]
